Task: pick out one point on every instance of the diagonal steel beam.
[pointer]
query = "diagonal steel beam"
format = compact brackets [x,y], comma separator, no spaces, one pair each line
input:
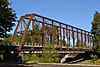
[13,36]
[25,32]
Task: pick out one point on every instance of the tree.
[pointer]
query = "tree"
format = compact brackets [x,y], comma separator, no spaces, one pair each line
[7,17]
[96,32]
[49,55]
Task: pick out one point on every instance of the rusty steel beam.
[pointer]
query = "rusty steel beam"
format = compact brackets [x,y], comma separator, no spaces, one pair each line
[43,38]
[57,36]
[77,34]
[73,37]
[32,32]
[52,34]
[62,27]
[60,38]
[69,37]
[25,32]
[52,20]
[88,38]
[69,32]
[85,36]
[13,36]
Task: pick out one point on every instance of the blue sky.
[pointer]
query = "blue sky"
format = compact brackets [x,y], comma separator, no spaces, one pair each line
[78,13]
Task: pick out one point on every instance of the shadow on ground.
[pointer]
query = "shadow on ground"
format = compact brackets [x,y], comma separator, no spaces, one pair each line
[79,58]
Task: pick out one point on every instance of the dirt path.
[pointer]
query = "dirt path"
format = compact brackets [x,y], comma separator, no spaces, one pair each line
[46,65]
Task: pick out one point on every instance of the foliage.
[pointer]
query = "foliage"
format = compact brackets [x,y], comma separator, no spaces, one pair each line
[28,38]
[30,57]
[49,55]
[98,61]
[96,31]
[7,41]
[37,35]
[1,57]
[7,17]
[94,58]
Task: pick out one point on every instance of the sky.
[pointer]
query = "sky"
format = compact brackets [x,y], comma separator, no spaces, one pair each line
[78,13]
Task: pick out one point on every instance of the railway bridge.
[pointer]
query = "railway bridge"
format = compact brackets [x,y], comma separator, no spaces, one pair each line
[35,32]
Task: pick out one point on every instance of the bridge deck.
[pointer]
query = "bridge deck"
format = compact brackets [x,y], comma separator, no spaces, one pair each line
[38,49]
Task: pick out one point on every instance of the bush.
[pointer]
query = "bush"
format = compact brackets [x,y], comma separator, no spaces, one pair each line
[94,58]
[49,55]
[98,61]
[30,57]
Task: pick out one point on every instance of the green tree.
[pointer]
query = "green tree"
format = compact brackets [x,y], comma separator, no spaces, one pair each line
[49,55]
[96,32]
[37,35]
[7,41]
[7,17]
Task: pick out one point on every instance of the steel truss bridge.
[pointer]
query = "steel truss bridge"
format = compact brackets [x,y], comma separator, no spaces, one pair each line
[35,32]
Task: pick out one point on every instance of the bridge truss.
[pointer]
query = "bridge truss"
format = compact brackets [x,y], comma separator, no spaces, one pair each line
[37,30]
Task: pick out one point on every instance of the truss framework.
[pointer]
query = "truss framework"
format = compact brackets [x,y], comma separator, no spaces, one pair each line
[43,31]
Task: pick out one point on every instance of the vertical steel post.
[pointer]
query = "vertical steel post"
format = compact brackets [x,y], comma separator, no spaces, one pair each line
[77,34]
[57,36]
[43,44]
[88,38]
[77,44]
[81,39]
[73,37]
[32,32]
[64,37]
[60,38]
[85,39]
[52,34]
[69,36]
[67,32]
